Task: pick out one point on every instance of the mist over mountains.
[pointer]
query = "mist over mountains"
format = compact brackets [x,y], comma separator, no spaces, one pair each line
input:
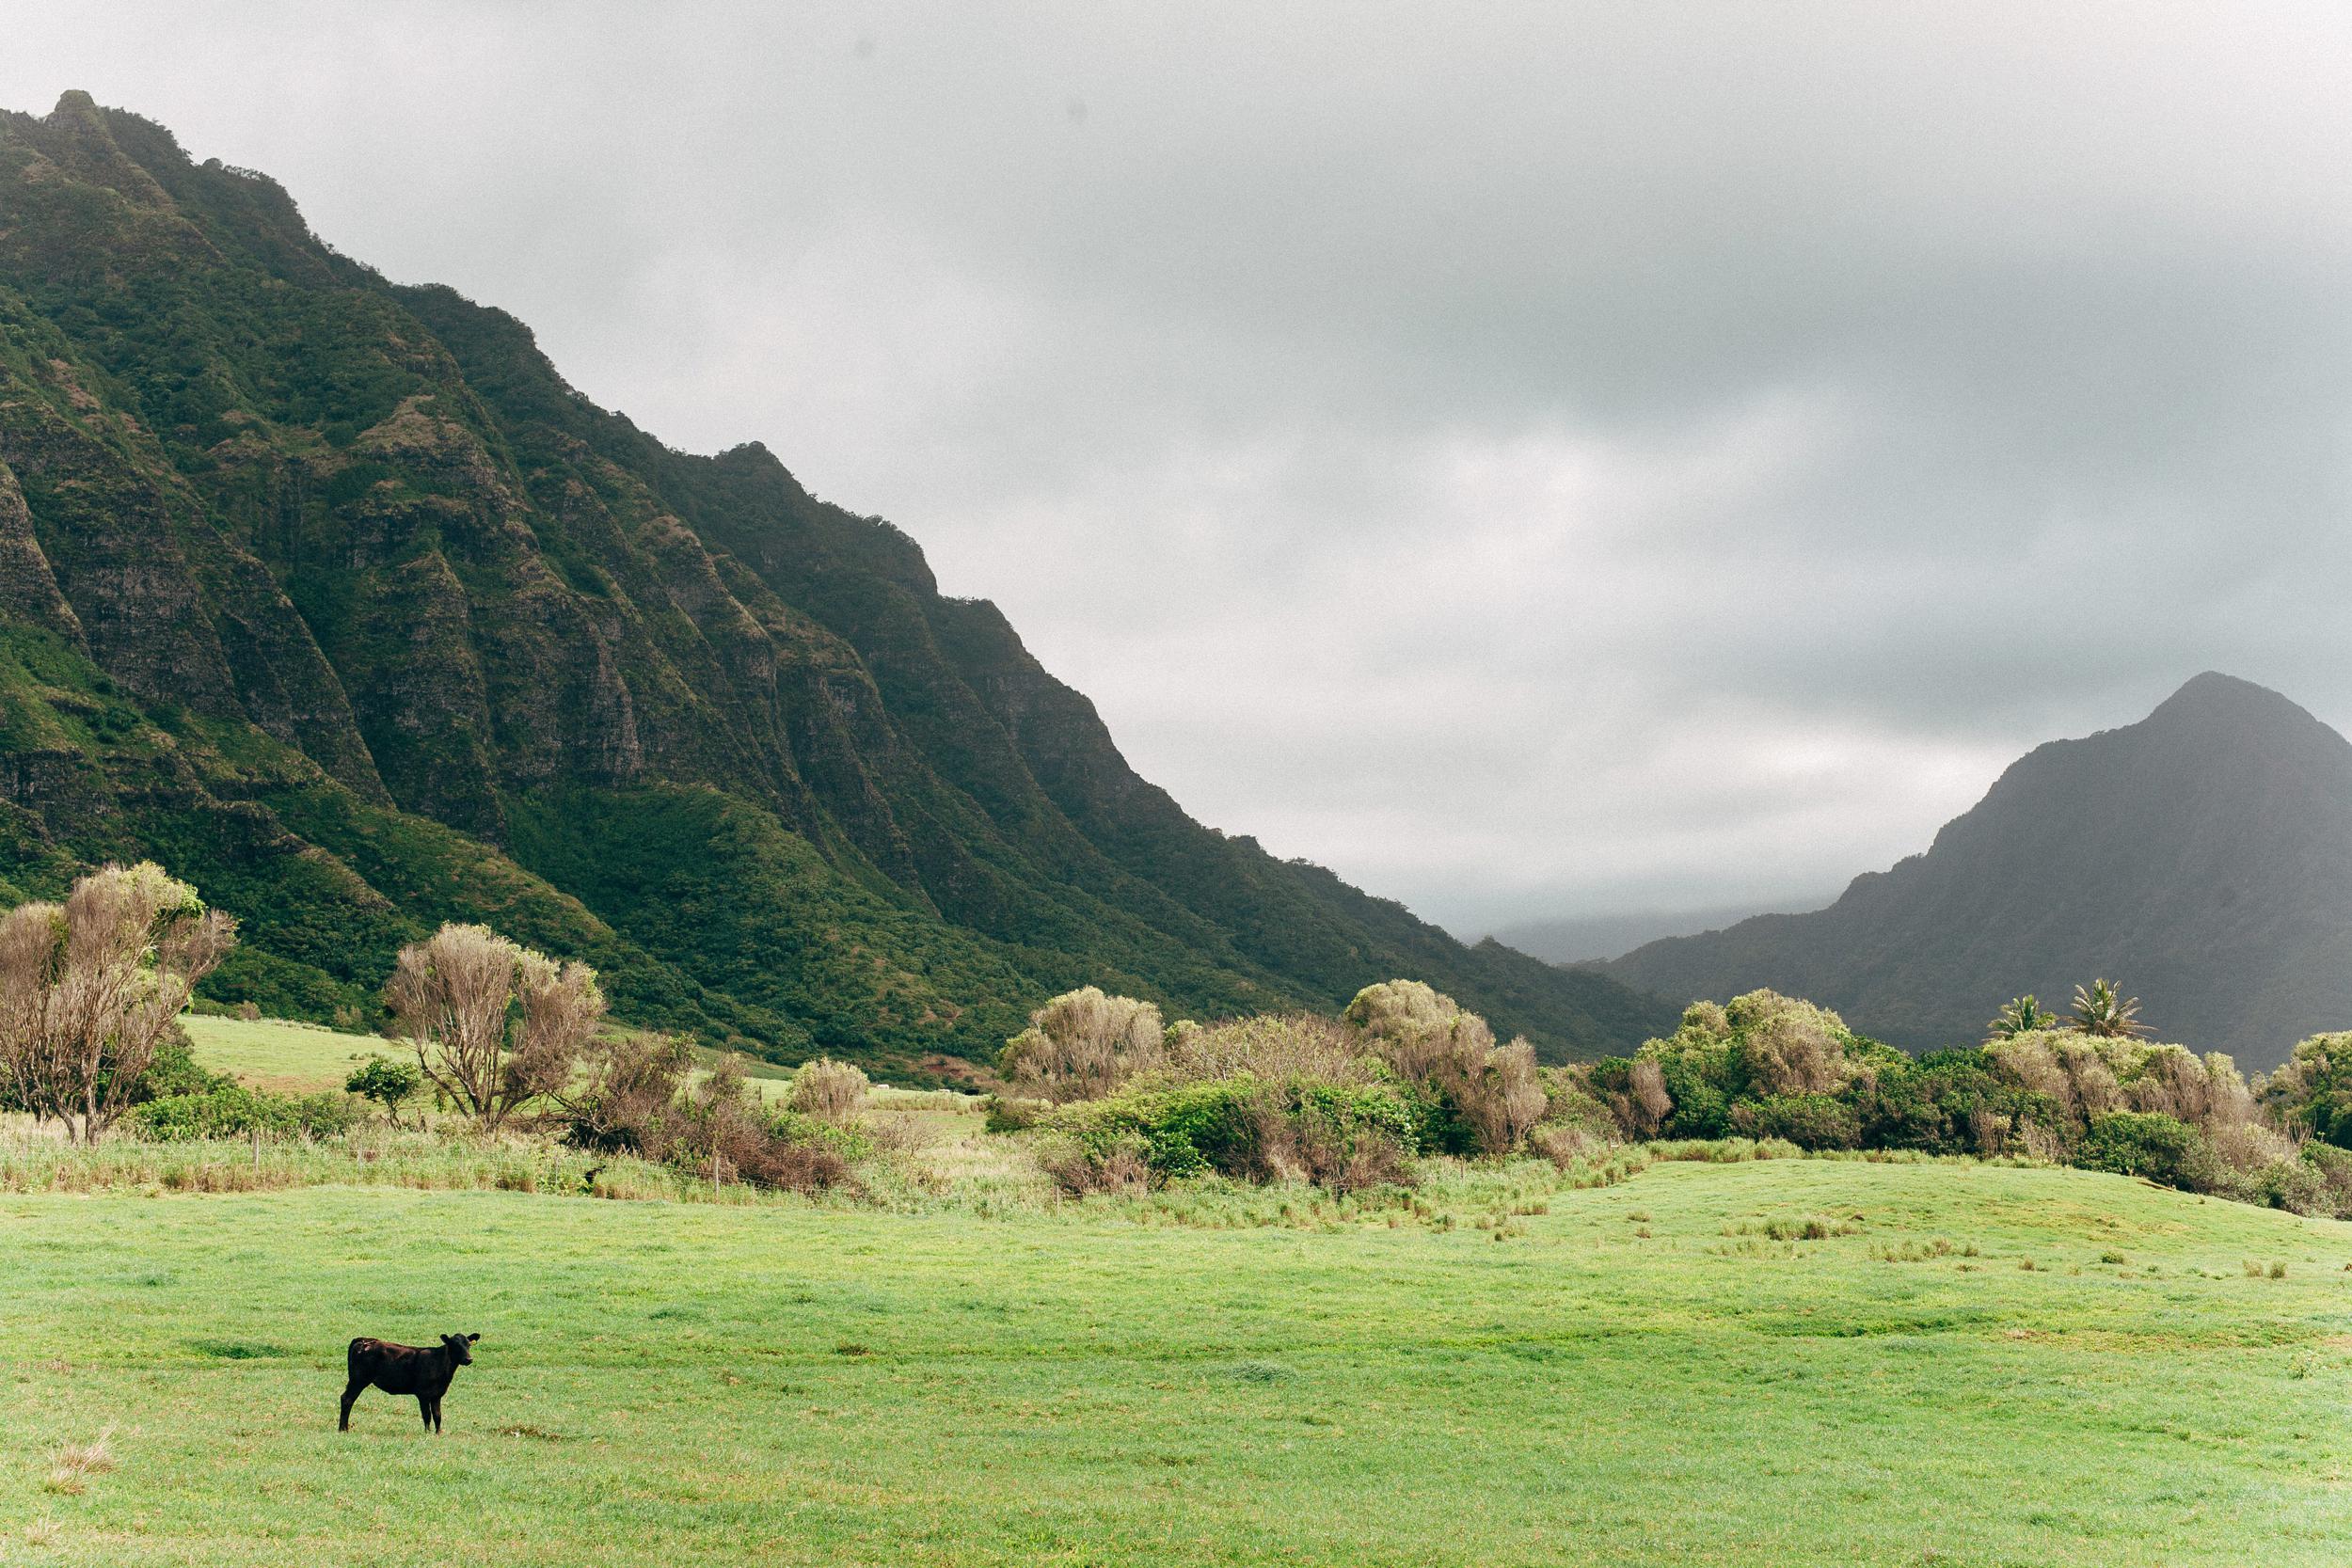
[2201,858]
[333,596]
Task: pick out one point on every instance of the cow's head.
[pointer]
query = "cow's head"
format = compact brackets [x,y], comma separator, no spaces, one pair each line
[460,1348]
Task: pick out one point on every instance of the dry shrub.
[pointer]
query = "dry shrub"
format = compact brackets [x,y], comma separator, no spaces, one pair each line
[2229,1099]
[828,1090]
[789,1165]
[1501,1097]
[897,1132]
[1301,1143]
[1988,1131]
[2092,1081]
[1428,1039]
[1123,1168]
[2037,1142]
[2247,1145]
[1274,1047]
[1417,1029]
[630,1100]
[2028,1061]
[1373,1161]
[1081,1045]
[634,1102]
[1565,1147]
[1789,1047]
[1642,1107]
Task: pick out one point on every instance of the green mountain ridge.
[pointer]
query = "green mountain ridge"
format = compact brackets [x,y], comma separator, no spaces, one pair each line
[333,595]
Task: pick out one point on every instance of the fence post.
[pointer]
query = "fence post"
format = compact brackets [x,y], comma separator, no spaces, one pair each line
[257,1146]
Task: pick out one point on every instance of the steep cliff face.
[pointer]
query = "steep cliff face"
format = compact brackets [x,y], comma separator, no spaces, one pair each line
[2202,857]
[333,593]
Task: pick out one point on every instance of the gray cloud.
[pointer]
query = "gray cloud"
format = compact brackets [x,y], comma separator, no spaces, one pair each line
[1537,460]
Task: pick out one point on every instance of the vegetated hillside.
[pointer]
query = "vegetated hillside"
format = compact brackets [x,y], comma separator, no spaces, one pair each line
[2202,857]
[334,598]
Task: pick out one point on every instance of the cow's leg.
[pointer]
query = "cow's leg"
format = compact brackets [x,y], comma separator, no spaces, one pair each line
[425,1411]
[351,1396]
[436,1414]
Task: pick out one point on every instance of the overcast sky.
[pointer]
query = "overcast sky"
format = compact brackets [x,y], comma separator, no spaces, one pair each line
[1537,460]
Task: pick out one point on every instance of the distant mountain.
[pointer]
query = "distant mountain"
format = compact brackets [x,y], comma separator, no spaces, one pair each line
[1587,939]
[333,596]
[2201,858]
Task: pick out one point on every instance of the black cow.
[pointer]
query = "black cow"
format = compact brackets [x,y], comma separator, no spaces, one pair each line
[406,1370]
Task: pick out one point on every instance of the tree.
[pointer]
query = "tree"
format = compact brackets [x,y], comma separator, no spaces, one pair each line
[2023,1016]
[389,1083]
[2104,1011]
[90,988]
[494,1023]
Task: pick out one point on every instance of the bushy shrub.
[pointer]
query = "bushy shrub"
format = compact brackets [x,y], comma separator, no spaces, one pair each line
[636,1101]
[1813,1121]
[1006,1113]
[1951,1102]
[2313,1092]
[630,1102]
[1078,1167]
[2161,1147]
[828,1090]
[1269,1046]
[1475,1097]
[2333,1166]
[236,1112]
[1634,1090]
[1339,1136]
[1081,1045]
[385,1081]
[176,1071]
[1571,1101]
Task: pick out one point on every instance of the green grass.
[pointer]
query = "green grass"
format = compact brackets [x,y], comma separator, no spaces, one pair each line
[1641,1373]
[271,1053]
[304,1058]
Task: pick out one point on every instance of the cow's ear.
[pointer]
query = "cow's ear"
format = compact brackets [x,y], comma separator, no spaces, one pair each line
[473,1339]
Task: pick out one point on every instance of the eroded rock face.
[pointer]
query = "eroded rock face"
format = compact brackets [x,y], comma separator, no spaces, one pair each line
[354,557]
[28,590]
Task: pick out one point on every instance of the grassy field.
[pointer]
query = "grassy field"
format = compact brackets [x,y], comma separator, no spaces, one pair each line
[304,1058]
[1643,1373]
[270,1053]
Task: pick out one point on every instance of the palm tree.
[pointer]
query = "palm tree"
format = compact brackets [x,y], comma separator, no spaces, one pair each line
[2105,1011]
[2022,1016]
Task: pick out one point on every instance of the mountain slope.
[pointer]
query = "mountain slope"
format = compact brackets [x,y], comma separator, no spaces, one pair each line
[332,594]
[2202,857]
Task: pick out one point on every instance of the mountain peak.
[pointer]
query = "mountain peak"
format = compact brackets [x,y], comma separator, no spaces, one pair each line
[2213,693]
[2202,856]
